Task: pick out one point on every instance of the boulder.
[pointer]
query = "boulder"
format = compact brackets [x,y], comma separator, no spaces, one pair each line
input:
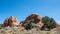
[11,21]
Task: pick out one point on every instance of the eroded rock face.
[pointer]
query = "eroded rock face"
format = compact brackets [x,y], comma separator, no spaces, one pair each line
[5,22]
[11,21]
[22,23]
[37,20]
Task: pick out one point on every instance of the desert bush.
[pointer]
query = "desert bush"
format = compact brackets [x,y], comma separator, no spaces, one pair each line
[29,25]
[49,23]
[1,26]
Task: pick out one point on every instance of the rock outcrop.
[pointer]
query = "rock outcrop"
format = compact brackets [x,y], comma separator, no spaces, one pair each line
[37,20]
[11,21]
[5,22]
[22,23]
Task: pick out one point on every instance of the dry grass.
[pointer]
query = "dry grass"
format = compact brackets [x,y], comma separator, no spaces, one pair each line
[21,30]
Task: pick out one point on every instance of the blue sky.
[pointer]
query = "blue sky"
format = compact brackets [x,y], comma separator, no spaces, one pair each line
[22,8]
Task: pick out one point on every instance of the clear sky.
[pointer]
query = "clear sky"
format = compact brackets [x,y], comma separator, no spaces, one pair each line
[22,8]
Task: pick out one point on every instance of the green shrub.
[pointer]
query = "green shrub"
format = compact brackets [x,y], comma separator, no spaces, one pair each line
[29,24]
[49,23]
[1,26]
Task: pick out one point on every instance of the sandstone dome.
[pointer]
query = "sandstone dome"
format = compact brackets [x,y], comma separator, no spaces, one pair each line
[11,21]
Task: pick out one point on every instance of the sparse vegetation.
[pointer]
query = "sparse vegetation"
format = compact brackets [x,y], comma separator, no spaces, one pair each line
[49,23]
[29,25]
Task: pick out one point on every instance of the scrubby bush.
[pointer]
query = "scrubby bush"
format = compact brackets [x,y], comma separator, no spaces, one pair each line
[1,26]
[29,24]
[49,23]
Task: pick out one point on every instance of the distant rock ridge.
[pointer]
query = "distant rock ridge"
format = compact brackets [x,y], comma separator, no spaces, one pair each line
[11,21]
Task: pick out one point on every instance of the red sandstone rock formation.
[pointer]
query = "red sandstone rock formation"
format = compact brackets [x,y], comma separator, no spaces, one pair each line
[11,21]
[37,20]
[5,22]
[22,23]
